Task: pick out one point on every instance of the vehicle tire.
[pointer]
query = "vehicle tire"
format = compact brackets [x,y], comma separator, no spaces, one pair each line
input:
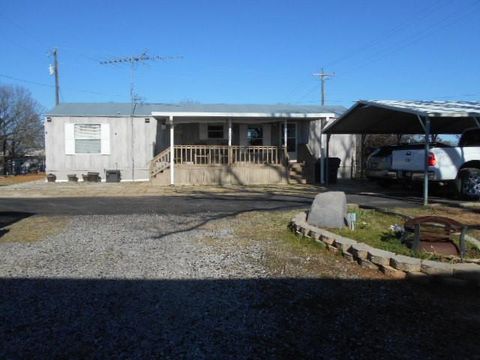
[468,183]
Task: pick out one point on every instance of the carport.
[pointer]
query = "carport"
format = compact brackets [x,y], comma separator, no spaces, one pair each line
[407,117]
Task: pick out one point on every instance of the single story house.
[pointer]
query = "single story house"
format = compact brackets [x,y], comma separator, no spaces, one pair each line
[190,143]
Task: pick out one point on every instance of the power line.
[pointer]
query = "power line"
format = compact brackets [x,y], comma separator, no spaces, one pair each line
[422,14]
[51,86]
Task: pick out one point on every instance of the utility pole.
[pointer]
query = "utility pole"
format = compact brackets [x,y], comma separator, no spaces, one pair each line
[54,71]
[134,61]
[323,77]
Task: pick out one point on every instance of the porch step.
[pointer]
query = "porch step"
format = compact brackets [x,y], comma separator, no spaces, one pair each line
[297,173]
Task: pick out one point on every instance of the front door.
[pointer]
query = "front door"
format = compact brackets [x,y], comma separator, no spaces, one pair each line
[291,140]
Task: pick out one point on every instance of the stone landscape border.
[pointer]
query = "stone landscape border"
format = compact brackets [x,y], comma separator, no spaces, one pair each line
[391,264]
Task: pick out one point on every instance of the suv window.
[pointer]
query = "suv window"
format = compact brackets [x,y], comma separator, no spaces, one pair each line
[470,138]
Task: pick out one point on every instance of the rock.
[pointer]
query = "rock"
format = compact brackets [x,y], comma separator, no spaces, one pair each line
[465,271]
[328,210]
[430,267]
[344,244]
[391,272]
[405,263]
[360,250]
[380,257]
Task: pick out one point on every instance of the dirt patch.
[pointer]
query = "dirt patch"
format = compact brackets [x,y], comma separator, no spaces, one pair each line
[34,228]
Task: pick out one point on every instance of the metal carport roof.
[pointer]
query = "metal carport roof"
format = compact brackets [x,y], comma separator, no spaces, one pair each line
[402,117]
[407,117]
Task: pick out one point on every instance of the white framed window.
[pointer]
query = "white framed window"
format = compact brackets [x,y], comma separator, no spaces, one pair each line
[87,139]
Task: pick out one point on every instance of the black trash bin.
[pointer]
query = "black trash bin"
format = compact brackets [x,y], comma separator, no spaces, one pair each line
[93,177]
[113,175]
[333,165]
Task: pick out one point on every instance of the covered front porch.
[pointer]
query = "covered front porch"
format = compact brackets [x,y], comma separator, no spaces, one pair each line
[220,149]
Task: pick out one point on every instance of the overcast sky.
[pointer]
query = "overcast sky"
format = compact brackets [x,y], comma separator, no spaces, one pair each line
[245,51]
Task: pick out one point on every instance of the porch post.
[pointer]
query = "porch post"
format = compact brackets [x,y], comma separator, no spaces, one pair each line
[230,141]
[285,136]
[172,151]
[327,155]
[229,132]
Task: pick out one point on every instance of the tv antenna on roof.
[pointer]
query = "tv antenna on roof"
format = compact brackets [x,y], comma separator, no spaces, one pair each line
[134,61]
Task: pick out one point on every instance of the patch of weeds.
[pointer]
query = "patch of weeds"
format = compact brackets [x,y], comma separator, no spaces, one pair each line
[34,228]
[381,231]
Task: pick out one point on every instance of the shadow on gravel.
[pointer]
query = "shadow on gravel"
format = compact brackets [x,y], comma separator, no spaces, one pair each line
[9,218]
[251,318]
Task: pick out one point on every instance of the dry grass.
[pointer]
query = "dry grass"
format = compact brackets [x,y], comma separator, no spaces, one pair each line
[287,255]
[34,228]
[18,179]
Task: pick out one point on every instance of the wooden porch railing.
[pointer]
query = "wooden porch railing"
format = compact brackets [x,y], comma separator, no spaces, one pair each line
[216,155]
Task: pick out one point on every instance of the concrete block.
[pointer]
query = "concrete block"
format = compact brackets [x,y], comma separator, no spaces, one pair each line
[344,244]
[430,267]
[328,210]
[360,250]
[391,272]
[348,256]
[379,257]
[327,239]
[332,249]
[405,263]
[364,263]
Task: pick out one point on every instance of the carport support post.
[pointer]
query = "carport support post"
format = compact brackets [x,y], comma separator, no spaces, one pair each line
[172,151]
[285,151]
[426,127]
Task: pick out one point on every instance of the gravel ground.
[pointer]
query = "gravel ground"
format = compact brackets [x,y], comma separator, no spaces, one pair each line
[150,286]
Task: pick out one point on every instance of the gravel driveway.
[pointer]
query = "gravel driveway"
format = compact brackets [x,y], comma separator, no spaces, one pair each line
[202,287]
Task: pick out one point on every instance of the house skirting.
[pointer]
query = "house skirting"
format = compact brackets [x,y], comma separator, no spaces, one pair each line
[224,175]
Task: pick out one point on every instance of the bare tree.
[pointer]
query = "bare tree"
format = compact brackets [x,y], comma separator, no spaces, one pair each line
[21,127]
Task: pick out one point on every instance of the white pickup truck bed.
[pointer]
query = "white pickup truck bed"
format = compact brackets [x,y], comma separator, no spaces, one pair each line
[458,165]
[448,161]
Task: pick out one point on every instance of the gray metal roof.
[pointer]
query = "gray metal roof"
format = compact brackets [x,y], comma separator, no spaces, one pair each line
[432,108]
[401,117]
[123,109]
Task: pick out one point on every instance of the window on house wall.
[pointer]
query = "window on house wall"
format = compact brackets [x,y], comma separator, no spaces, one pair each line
[215,131]
[255,135]
[88,138]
